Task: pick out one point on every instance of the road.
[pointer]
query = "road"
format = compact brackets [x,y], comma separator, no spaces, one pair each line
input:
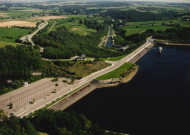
[42,90]
[29,37]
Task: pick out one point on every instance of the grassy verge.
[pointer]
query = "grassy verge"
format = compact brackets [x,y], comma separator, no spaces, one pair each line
[42,133]
[117,73]
[116,58]
[3,44]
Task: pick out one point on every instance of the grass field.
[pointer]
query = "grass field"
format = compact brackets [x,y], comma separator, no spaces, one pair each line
[9,35]
[139,27]
[116,73]
[18,14]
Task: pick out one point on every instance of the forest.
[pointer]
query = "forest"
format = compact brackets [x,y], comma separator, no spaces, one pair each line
[51,122]
[17,63]
[180,35]
[137,16]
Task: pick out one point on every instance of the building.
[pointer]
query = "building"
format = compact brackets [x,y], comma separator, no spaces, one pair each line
[82,57]
[25,84]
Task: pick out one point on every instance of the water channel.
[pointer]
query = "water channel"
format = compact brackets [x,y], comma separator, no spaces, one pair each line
[109,41]
[156,101]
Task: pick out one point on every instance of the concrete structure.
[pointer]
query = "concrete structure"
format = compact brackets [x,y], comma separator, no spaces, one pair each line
[25,84]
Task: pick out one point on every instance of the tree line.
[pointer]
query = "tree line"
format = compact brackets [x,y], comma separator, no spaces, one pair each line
[137,16]
[180,34]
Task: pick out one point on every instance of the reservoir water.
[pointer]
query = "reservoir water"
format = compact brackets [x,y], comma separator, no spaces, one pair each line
[156,101]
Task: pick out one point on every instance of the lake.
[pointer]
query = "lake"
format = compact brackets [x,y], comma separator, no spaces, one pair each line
[156,101]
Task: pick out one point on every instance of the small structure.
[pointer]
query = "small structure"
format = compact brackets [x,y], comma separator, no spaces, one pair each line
[9,81]
[160,49]
[124,48]
[41,49]
[36,73]
[25,84]
[82,57]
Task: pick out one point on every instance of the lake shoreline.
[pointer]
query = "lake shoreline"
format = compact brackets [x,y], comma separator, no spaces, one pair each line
[171,43]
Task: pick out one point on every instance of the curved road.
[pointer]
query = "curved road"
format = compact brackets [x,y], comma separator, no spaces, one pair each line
[29,37]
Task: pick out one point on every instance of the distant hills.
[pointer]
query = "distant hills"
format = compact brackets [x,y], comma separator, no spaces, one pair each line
[28,1]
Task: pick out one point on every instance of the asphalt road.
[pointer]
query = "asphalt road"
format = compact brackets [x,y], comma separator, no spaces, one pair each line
[29,37]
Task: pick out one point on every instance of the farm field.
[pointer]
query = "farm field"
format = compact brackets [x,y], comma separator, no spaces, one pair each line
[17,23]
[139,27]
[4,15]
[46,18]
[9,35]
[17,14]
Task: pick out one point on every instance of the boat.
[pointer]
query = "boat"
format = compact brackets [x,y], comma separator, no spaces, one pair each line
[160,49]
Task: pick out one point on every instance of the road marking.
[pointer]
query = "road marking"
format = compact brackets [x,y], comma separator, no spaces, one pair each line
[22,112]
[82,81]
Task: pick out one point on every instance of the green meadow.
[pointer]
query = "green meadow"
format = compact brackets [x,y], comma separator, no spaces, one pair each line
[8,36]
[116,73]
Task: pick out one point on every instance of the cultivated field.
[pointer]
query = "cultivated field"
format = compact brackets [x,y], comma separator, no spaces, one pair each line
[18,23]
[4,15]
[46,18]
[139,27]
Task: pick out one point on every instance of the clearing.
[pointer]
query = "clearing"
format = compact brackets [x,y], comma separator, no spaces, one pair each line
[18,23]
